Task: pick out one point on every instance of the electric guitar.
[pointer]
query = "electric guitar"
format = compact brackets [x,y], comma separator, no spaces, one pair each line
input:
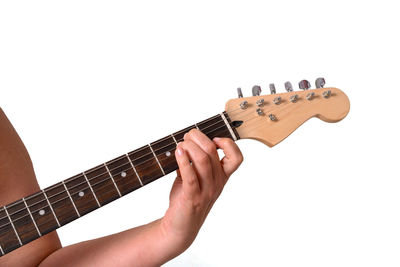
[266,118]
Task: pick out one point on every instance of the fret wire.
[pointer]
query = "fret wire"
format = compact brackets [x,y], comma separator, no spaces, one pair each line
[228,126]
[72,201]
[1,250]
[91,189]
[158,141]
[51,208]
[13,226]
[155,156]
[173,137]
[115,168]
[197,126]
[33,220]
[134,169]
[112,178]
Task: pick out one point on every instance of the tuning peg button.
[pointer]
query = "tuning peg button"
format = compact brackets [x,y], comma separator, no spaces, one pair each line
[304,85]
[288,87]
[272,88]
[256,90]
[320,82]
[239,91]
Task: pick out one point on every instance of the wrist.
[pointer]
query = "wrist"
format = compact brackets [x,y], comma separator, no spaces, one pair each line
[177,243]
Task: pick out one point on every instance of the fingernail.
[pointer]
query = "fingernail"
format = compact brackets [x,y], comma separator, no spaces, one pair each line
[216,139]
[179,151]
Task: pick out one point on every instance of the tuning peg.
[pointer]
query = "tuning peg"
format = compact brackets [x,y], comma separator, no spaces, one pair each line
[272,88]
[256,90]
[239,91]
[304,85]
[320,82]
[288,87]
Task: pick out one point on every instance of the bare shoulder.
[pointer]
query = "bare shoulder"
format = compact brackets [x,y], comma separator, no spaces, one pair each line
[17,179]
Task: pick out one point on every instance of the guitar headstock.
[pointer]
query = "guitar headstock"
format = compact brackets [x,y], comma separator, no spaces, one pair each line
[271,118]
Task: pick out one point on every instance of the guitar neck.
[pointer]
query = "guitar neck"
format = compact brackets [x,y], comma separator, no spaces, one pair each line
[38,214]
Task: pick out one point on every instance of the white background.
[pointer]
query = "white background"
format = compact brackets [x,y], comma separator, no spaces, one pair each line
[85,81]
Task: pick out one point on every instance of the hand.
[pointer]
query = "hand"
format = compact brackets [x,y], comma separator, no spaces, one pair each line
[201,178]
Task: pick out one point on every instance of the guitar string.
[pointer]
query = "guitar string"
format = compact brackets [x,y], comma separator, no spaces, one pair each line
[163,139]
[114,160]
[128,163]
[76,177]
[14,220]
[92,178]
[31,205]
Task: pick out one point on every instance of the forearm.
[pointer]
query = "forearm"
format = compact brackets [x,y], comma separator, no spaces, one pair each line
[145,245]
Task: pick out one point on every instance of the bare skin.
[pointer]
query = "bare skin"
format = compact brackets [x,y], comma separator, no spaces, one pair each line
[201,179]
[17,180]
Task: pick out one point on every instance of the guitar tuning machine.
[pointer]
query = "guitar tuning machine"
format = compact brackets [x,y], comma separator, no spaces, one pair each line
[256,90]
[260,102]
[304,85]
[310,96]
[288,87]
[244,105]
[277,100]
[272,88]
[319,83]
[327,94]
[294,98]
[239,92]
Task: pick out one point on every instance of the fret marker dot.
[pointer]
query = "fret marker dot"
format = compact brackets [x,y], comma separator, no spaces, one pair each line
[168,153]
[81,194]
[41,212]
[123,174]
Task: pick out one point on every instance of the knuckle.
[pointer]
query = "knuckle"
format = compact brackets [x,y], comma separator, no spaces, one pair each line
[228,141]
[210,148]
[239,158]
[191,133]
[203,159]
[191,180]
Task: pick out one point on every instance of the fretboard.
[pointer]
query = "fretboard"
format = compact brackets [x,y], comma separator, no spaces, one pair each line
[38,214]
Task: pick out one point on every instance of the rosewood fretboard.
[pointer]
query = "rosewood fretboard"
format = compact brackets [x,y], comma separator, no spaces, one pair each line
[33,216]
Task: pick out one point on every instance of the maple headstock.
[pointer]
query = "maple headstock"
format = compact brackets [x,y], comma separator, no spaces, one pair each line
[271,118]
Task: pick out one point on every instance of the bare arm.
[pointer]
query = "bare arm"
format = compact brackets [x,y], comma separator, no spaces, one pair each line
[17,180]
[194,192]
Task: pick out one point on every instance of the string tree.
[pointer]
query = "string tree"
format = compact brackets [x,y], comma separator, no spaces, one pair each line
[272,117]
